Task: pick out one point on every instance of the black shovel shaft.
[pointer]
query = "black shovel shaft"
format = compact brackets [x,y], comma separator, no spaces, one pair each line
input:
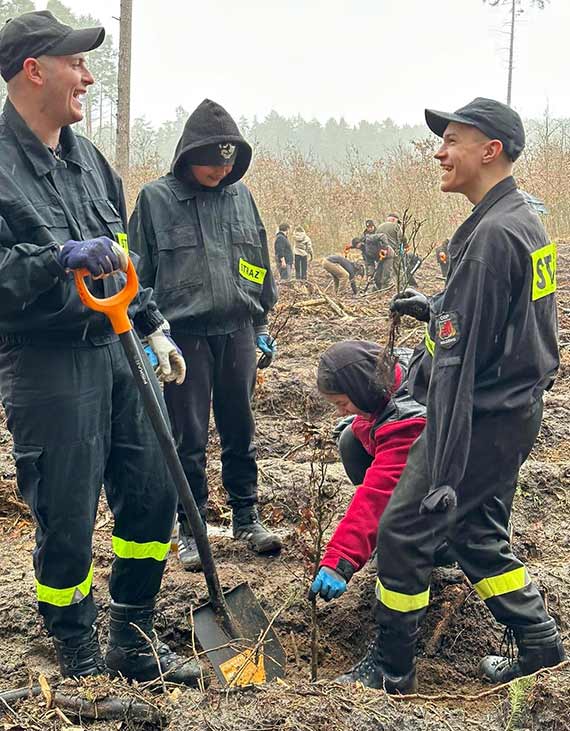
[163,432]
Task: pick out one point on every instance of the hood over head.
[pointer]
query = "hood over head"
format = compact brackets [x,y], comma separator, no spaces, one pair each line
[350,367]
[208,131]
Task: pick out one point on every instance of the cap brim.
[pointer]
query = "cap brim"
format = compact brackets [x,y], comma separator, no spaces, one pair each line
[78,41]
[438,121]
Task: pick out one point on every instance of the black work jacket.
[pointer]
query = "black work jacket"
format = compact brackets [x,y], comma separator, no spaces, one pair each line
[283,248]
[46,200]
[491,343]
[205,254]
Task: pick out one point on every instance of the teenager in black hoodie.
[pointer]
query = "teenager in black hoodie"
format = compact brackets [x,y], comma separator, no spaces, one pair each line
[204,250]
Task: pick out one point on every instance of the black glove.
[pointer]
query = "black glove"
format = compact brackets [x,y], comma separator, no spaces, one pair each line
[441,500]
[411,302]
[341,426]
[100,256]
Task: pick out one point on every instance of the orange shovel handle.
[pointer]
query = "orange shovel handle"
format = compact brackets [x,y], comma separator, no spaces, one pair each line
[116,306]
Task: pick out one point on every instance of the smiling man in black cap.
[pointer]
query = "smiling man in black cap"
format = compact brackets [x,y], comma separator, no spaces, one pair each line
[490,352]
[74,413]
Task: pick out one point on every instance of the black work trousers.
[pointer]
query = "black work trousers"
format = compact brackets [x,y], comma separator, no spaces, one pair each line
[355,459]
[477,531]
[220,370]
[78,422]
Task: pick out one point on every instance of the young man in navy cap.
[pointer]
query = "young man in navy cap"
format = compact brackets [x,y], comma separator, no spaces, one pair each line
[72,408]
[490,352]
[203,248]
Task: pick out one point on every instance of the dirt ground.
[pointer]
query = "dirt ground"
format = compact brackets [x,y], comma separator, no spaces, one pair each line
[458,629]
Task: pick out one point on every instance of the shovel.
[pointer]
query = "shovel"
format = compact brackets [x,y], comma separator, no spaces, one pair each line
[232,628]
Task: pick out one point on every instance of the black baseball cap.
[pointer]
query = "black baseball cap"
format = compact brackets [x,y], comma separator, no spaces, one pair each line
[41,34]
[496,120]
[217,153]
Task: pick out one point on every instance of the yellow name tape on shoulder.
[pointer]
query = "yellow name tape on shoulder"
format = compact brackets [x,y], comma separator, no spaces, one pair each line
[251,272]
[543,271]
[123,241]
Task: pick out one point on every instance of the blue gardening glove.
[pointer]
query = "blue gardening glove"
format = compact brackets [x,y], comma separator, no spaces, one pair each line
[171,363]
[267,345]
[411,302]
[100,257]
[441,500]
[328,584]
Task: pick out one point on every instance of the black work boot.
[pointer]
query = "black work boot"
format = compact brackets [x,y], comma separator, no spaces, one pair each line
[80,656]
[130,655]
[539,647]
[389,663]
[187,549]
[247,527]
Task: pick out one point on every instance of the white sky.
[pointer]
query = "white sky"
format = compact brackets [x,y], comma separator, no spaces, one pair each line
[361,59]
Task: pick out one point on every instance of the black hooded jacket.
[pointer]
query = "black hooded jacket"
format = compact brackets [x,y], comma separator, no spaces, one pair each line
[204,249]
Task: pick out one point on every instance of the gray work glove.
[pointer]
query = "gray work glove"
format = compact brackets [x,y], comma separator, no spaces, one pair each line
[411,302]
[171,363]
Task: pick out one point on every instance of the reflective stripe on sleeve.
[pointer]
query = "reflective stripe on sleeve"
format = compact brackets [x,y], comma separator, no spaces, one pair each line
[132,549]
[65,597]
[430,344]
[401,602]
[502,584]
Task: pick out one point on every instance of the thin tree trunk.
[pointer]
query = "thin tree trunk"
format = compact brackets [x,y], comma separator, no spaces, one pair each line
[511,51]
[124,88]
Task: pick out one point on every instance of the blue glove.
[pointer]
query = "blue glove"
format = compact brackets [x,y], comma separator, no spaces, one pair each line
[266,344]
[100,256]
[328,583]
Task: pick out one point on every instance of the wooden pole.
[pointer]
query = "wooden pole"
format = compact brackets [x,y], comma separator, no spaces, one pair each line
[511,51]
[124,89]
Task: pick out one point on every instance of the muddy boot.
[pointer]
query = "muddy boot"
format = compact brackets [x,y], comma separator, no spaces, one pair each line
[539,646]
[80,656]
[187,550]
[389,663]
[248,527]
[130,655]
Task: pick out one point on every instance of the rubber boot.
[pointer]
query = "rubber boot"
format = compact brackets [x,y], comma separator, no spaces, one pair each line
[187,550]
[247,527]
[130,655]
[80,656]
[389,663]
[539,646]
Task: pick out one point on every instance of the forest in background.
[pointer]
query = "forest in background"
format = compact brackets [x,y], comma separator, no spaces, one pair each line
[327,177]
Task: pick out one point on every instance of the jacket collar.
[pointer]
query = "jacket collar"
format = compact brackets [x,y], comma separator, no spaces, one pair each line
[497,192]
[183,192]
[39,155]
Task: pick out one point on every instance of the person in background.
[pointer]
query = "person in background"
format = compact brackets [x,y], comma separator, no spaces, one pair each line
[369,227]
[283,252]
[303,252]
[373,445]
[343,272]
[204,249]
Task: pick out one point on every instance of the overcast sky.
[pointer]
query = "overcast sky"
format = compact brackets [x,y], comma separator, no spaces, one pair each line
[357,59]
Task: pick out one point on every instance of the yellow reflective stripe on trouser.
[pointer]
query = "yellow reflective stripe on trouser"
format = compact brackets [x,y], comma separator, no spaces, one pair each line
[430,344]
[401,602]
[502,584]
[132,549]
[65,597]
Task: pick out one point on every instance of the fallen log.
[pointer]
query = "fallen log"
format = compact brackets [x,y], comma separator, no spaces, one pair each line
[106,709]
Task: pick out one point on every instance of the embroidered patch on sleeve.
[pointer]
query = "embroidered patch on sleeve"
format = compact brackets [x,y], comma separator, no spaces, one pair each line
[447,331]
[543,271]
